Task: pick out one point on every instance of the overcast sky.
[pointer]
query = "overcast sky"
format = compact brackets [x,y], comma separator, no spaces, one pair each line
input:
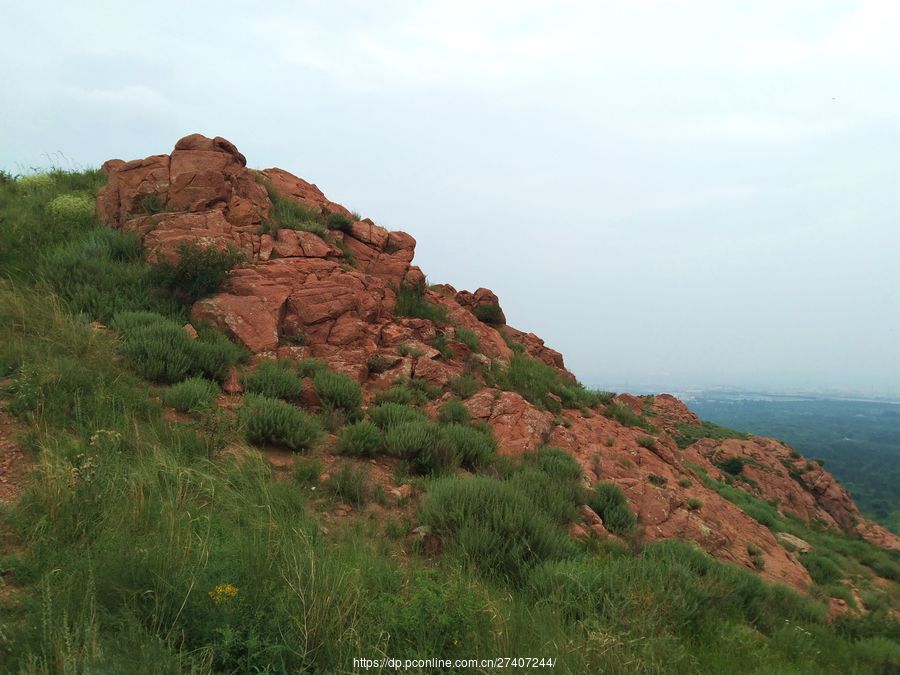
[669,193]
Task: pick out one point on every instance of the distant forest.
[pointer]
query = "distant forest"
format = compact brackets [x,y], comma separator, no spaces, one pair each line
[859,440]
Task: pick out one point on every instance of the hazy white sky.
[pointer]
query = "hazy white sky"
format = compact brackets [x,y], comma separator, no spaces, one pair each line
[667,192]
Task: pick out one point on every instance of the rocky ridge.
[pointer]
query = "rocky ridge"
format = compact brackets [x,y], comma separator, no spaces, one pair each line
[334,295]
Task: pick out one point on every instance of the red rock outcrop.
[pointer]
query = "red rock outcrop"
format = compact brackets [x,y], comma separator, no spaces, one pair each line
[333,296]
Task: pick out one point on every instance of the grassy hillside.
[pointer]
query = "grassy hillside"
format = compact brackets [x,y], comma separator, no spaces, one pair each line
[150,540]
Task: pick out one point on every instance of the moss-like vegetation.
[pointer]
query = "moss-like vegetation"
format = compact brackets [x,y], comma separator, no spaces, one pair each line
[689,434]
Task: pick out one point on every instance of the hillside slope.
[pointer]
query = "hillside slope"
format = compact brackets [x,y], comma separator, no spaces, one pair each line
[417,458]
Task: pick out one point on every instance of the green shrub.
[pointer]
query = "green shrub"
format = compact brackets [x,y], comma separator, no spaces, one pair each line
[339,221]
[443,346]
[821,568]
[542,385]
[557,499]
[309,367]
[490,314]
[453,410]
[388,415]
[464,385]
[689,433]
[492,527]
[198,272]
[307,470]
[192,394]
[72,209]
[732,465]
[287,214]
[625,416]
[350,484]
[557,463]
[647,442]
[100,273]
[362,439]
[411,302]
[338,391]
[611,504]
[398,393]
[424,447]
[694,504]
[410,350]
[474,448]
[274,379]
[469,338]
[160,350]
[270,421]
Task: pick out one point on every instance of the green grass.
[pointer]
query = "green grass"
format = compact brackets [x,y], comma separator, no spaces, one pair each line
[362,439]
[274,379]
[610,503]
[135,549]
[492,527]
[195,393]
[543,385]
[423,445]
[469,339]
[389,414]
[350,484]
[411,302]
[625,416]
[453,410]
[160,350]
[270,421]
[338,391]
[198,272]
[490,314]
[464,385]
[286,214]
[689,434]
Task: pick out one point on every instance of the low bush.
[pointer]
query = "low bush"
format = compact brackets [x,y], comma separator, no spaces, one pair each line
[557,463]
[309,367]
[191,394]
[472,447]
[690,433]
[732,465]
[821,568]
[338,391]
[72,209]
[424,447]
[160,350]
[270,421]
[611,504]
[287,214]
[490,314]
[398,393]
[625,416]
[307,470]
[543,385]
[350,484]
[411,302]
[388,415]
[198,272]
[274,379]
[464,385]
[362,439]
[492,527]
[339,221]
[443,346]
[453,410]
[469,338]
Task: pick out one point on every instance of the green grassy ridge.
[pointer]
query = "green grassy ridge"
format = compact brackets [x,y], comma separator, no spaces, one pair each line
[141,554]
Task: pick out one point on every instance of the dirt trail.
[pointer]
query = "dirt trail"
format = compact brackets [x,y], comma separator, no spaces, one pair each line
[14,463]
